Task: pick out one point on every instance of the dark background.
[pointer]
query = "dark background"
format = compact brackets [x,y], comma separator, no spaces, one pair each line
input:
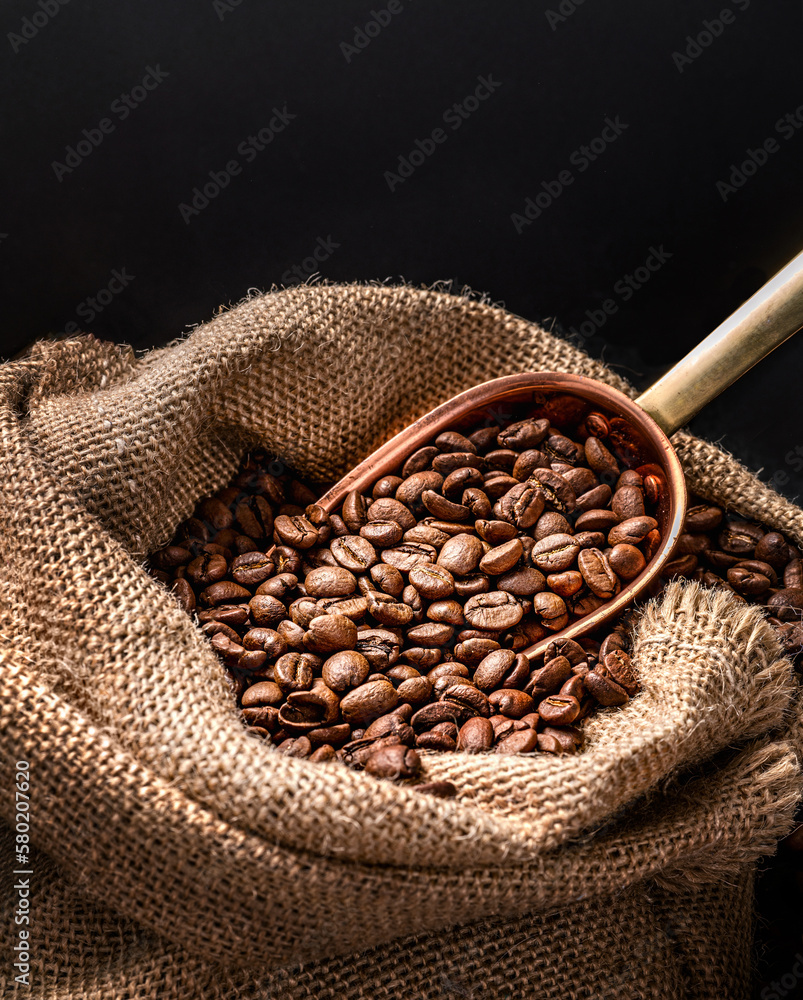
[694,106]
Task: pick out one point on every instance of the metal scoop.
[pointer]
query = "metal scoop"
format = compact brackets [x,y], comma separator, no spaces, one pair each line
[772,315]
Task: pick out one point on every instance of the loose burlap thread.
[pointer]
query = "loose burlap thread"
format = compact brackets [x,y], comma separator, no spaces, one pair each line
[176,856]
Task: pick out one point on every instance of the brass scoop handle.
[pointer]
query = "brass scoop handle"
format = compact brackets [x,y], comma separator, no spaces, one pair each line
[759,325]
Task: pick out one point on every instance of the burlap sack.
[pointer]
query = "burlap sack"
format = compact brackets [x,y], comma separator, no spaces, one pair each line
[177,857]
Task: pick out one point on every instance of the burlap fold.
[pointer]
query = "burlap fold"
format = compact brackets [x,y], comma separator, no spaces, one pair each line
[180,849]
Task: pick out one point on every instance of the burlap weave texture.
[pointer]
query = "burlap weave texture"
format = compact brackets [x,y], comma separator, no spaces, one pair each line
[188,845]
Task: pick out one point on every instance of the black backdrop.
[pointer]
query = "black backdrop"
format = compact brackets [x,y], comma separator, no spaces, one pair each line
[160,160]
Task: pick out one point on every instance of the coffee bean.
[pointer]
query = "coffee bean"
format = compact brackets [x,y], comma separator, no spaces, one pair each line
[605,689]
[410,490]
[502,557]
[223,592]
[354,553]
[523,435]
[266,611]
[524,741]
[559,709]
[296,531]
[354,511]
[386,486]
[460,481]
[432,581]
[262,693]
[435,740]
[787,604]
[382,534]
[626,561]
[419,460]
[334,736]
[388,611]
[597,573]
[439,711]
[380,647]
[702,517]
[555,553]
[512,703]
[477,502]
[367,702]
[344,670]
[330,633]
[565,584]
[388,509]
[619,667]
[440,789]
[476,735]
[551,610]
[740,538]
[416,691]
[395,763]
[294,672]
[556,492]
[391,724]
[461,554]
[493,668]
[632,531]
[467,698]
[430,634]
[494,610]
[522,582]
[448,462]
[471,585]
[404,557]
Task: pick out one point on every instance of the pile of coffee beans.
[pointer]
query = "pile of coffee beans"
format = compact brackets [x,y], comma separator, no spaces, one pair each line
[396,623]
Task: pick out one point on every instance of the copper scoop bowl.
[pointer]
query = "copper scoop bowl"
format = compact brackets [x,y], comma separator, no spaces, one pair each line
[772,315]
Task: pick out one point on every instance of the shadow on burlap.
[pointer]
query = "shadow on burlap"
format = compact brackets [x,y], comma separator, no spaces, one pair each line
[177,857]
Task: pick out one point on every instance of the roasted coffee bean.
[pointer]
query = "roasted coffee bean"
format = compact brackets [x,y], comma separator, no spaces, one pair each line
[391,724]
[461,480]
[354,511]
[702,517]
[354,553]
[555,553]
[627,502]
[388,509]
[551,611]
[496,532]
[330,633]
[404,557]
[502,459]
[476,735]
[207,569]
[262,693]
[632,531]
[494,610]
[496,484]
[449,461]
[747,581]
[787,604]
[435,740]
[388,611]
[471,585]
[619,667]
[286,559]
[319,704]
[452,668]
[387,578]
[419,460]
[599,458]
[523,435]
[493,668]
[367,702]
[430,634]
[522,582]
[549,678]
[772,549]
[416,691]
[556,492]
[379,646]
[512,703]
[502,557]
[524,741]
[467,698]
[386,486]
[442,508]
[565,584]
[344,670]
[438,711]
[605,689]
[382,534]
[626,561]
[184,594]
[461,554]
[223,592]
[597,573]
[559,709]
[793,575]
[296,531]
[266,611]
[432,581]
[251,568]
[739,538]
[522,505]
[395,763]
